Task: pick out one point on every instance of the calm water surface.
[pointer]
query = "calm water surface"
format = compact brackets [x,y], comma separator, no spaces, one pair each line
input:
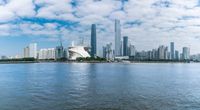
[60,86]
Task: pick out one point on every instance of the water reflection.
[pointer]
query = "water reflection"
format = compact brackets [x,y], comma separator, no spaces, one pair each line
[61,86]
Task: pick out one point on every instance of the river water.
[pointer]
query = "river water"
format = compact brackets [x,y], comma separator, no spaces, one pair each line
[82,86]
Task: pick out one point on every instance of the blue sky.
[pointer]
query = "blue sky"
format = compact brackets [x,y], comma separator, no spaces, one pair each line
[147,23]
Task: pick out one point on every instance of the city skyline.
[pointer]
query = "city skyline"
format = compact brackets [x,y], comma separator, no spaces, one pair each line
[128,52]
[122,45]
[123,49]
[26,21]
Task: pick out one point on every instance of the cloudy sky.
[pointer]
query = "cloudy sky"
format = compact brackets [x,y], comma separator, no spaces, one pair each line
[147,23]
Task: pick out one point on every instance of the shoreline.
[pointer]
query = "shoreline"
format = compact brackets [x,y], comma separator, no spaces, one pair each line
[124,62]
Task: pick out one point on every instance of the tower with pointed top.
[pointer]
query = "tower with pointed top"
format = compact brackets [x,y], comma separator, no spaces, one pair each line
[59,52]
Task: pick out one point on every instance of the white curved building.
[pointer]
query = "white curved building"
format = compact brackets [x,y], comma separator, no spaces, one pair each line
[78,52]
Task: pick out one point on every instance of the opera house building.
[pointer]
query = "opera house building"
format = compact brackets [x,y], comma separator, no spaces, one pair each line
[78,52]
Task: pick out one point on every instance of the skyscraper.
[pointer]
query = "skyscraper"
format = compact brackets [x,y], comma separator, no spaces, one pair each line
[161,52]
[125,46]
[33,50]
[186,53]
[121,48]
[132,50]
[108,51]
[59,52]
[172,50]
[154,54]
[166,53]
[176,55]
[117,38]
[104,51]
[26,52]
[93,40]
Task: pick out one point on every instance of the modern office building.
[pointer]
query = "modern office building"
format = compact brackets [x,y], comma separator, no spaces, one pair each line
[181,56]
[196,57]
[149,55]
[176,55]
[4,57]
[65,53]
[172,50]
[154,54]
[46,53]
[109,52]
[104,51]
[186,53]
[169,56]
[121,48]
[125,46]
[117,38]
[132,50]
[59,52]
[166,53]
[93,41]
[161,52]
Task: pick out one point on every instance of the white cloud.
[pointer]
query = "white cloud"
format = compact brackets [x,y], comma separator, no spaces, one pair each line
[24,8]
[159,23]
[5,14]
[102,8]
[53,9]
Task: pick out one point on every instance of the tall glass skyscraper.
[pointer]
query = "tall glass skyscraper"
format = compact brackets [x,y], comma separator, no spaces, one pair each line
[172,50]
[93,41]
[117,38]
[59,52]
[125,46]
[186,53]
[176,55]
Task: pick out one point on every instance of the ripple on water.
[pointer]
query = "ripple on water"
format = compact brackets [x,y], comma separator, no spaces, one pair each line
[63,86]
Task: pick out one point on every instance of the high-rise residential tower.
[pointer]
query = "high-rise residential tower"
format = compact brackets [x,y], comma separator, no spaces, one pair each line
[172,50]
[26,52]
[132,50]
[117,38]
[46,53]
[33,50]
[93,41]
[125,46]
